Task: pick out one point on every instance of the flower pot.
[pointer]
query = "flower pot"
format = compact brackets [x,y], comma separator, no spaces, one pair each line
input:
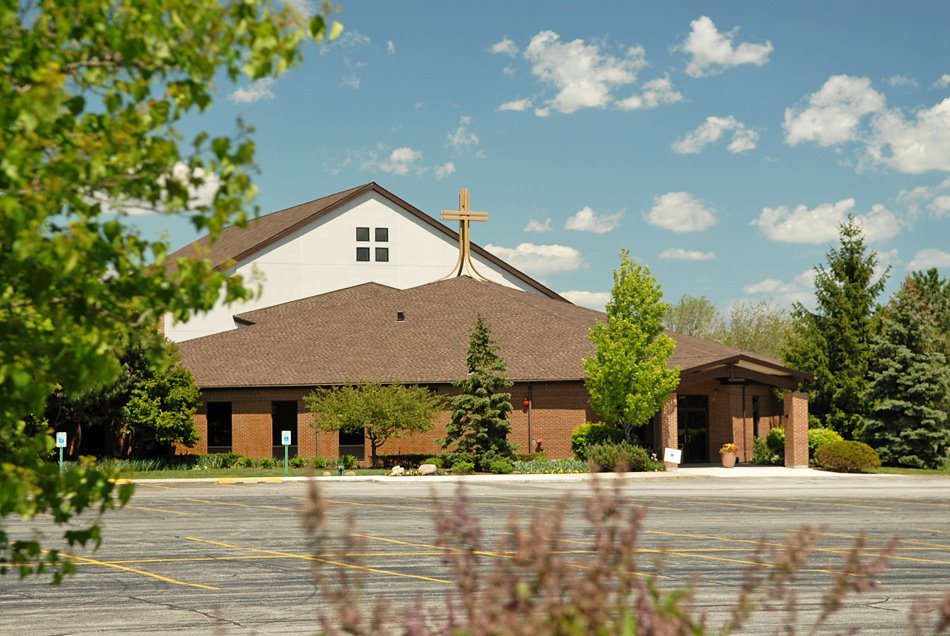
[728,459]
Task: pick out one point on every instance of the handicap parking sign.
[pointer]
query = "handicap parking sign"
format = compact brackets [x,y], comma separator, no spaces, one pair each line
[285,438]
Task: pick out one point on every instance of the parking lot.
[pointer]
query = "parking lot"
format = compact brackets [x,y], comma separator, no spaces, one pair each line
[198,557]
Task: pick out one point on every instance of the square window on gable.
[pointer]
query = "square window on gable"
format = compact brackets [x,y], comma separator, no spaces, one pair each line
[382,254]
[362,254]
[382,234]
[362,234]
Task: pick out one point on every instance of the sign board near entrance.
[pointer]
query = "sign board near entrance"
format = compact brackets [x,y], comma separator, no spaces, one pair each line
[672,455]
[60,440]
[285,438]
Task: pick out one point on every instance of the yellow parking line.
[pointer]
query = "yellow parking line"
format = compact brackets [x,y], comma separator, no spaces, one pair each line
[172,512]
[375,505]
[241,505]
[308,557]
[646,504]
[494,505]
[89,561]
[932,530]
[254,557]
[903,541]
[719,502]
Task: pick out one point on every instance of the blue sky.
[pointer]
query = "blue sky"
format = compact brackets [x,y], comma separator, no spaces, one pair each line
[721,143]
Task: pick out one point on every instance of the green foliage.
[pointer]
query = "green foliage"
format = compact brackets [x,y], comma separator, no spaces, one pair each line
[818,437]
[463,468]
[246,462]
[380,411]
[694,316]
[591,433]
[608,457]
[320,463]
[760,327]
[297,461]
[501,467]
[776,442]
[762,454]
[435,461]
[348,461]
[479,425]
[848,456]
[628,378]
[910,384]
[92,100]
[531,457]
[833,343]
[551,467]
[267,462]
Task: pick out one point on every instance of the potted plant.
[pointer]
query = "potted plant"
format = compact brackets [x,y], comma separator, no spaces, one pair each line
[728,454]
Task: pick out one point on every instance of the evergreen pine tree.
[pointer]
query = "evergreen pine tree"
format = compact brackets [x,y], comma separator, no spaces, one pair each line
[479,424]
[833,343]
[909,385]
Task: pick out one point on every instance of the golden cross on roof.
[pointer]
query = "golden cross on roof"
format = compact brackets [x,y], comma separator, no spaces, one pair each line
[464,216]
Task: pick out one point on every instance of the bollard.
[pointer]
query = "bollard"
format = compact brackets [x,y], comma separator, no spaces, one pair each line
[340,469]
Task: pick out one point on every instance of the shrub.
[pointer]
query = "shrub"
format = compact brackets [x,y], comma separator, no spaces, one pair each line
[608,457]
[501,467]
[818,437]
[776,442]
[405,459]
[297,461]
[348,461]
[762,454]
[267,462]
[246,462]
[531,457]
[463,467]
[450,458]
[847,457]
[435,461]
[552,467]
[591,433]
[320,463]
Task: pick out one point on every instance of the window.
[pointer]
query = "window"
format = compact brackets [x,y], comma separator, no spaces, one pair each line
[362,233]
[353,443]
[362,254]
[382,254]
[219,427]
[382,234]
[283,417]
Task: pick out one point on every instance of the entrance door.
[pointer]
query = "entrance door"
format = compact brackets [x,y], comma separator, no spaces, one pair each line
[692,414]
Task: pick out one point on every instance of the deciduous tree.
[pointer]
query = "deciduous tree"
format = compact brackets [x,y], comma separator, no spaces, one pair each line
[92,93]
[694,316]
[760,327]
[380,412]
[628,377]
[833,342]
[479,425]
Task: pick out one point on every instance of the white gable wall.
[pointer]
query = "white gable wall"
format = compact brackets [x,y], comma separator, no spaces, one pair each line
[322,257]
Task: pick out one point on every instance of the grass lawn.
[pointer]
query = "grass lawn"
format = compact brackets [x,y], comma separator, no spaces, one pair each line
[189,473]
[893,470]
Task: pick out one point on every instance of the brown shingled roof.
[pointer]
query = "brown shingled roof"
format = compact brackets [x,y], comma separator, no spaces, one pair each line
[353,335]
[235,243]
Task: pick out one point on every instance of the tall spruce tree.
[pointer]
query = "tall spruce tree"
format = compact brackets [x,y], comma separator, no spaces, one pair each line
[833,342]
[628,377]
[479,424]
[910,384]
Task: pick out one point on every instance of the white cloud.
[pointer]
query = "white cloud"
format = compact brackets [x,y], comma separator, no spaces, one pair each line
[351,81]
[713,52]
[900,80]
[444,170]
[390,47]
[680,212]
[655,92]
[542,112]
[401,161]
[800,289]
[539,259]
[711,130]
[505,46]
[679,254]
[462,138]
[927,258]
[914,146]
[935,199]
[834,113]
[942,82]
[258,90]
[538,226]
[585,220]
[821,223]
[582,74]
[593,300]
[517,105]
[509,70]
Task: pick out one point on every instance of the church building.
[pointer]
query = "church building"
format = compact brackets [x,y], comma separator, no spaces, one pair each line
[359,286]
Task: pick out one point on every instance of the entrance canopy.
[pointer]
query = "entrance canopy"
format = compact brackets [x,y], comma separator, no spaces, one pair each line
[739,369]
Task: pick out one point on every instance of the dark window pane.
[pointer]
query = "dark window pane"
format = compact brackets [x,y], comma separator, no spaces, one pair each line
[362,254]
[382,254]
[382,234]
[362,234]
[283,418]
[219,425]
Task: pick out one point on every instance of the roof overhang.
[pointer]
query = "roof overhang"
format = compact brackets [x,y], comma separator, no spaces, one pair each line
[742,369]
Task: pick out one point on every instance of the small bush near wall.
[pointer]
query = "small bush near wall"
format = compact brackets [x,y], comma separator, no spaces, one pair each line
[320,463]
[435,461]
[609,457]
[463,468]
[591,433]
[531,457]
[818,437]
[388,461]
[776,442]
[297,461]
[268,462]
[348,461]
[553,467]
[501,467]
[847,457]
[762,454]
[246,462]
